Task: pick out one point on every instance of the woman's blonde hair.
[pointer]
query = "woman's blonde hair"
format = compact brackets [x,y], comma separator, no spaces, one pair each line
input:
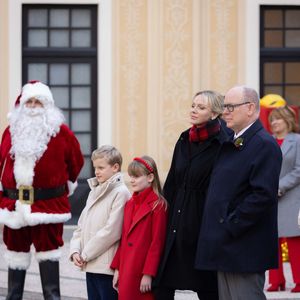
[287,114]
[214,99]
[146,165]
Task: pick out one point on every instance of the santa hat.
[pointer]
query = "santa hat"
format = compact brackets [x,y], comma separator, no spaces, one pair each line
[35,89]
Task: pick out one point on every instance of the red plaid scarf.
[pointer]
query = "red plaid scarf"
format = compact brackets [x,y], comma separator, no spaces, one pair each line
[205,131]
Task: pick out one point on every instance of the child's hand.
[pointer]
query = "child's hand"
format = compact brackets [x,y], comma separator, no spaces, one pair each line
[77,259]
[146,284]
[116,280]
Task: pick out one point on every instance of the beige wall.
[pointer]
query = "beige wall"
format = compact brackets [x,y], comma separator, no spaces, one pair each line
[3,64]
[224,43]
[165,51]
[130,71]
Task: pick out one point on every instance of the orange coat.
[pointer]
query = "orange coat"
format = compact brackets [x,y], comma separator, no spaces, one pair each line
[141,246]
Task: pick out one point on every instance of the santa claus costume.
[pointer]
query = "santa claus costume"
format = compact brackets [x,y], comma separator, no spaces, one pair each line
[40,160]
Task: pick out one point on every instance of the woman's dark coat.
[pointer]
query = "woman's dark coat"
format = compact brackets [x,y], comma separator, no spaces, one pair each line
[185,190]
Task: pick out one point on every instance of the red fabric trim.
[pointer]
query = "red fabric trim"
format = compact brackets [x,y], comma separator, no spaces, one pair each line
[140,160]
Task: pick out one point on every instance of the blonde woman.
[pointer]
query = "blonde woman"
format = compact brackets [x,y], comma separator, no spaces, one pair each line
[185,190]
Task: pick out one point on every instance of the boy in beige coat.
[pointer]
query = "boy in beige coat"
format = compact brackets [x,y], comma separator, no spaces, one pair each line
[96,238]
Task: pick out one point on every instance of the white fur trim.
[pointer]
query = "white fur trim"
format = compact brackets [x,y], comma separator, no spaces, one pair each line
[17,260]
[23,216]
[1,187]
[43,218]
[32,219]
[12,219]
[72,187]
[24,170]
[37,90]
[53,255]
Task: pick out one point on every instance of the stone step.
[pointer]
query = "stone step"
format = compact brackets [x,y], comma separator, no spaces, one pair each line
[72,281]
[34,296]
[180,295]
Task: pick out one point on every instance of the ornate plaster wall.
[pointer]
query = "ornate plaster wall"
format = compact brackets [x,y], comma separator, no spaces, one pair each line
[3,63]
[165,51]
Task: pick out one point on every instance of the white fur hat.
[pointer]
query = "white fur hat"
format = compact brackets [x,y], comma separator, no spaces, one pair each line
[38,90]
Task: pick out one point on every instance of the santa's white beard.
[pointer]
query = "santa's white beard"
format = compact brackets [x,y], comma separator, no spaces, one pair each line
[31,130]
[29,134]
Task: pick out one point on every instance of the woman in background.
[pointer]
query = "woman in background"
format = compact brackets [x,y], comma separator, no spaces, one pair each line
[283,125]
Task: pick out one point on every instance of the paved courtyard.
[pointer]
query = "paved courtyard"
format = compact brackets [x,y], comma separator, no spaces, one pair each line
[73,281]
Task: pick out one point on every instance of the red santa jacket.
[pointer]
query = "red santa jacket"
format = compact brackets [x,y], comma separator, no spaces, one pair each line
[142,242]
[60,163]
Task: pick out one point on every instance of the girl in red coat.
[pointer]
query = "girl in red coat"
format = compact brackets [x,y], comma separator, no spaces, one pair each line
[143,234]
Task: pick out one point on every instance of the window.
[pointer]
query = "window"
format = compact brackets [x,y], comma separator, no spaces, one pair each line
[280,52]
[59,48]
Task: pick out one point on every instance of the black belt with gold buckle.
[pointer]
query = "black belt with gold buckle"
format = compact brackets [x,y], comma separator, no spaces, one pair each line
[27,194]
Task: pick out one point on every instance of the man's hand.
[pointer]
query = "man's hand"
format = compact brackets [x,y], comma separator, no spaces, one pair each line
[146,284]
[116,280]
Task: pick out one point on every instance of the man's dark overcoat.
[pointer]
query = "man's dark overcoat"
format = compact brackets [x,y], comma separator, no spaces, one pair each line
[239,228]
[185,190]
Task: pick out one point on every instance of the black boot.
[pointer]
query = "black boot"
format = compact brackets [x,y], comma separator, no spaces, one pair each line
[16,279]
[49,272]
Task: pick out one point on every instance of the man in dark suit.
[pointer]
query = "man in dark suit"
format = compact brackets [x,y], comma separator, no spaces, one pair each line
[238,236]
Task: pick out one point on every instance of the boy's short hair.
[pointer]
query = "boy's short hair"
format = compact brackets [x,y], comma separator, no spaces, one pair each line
[110,153]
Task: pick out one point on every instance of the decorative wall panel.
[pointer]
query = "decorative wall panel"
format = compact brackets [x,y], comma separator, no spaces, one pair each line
[131,76]
[177,71]
[224,44]
[4,65]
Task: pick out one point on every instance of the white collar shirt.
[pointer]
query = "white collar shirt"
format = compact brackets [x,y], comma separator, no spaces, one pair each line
[236,135]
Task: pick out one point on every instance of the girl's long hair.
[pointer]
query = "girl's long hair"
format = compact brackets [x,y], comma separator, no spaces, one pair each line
[137,169]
